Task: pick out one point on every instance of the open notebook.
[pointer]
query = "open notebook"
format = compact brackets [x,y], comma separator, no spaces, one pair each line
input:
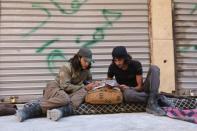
[103,83]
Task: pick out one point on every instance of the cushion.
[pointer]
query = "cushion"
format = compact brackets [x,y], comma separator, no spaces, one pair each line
[85,109]
[109,109]
[104,95]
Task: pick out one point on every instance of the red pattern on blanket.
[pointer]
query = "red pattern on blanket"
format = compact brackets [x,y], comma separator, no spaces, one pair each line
[189,115]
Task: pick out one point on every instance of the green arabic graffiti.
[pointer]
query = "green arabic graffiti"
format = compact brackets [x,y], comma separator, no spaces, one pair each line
[111,16]
[97,37]
[75,6]
[38,6]
[55,54]
[192,12]
[185,49]
[194,9]
[99,34]
[40,49]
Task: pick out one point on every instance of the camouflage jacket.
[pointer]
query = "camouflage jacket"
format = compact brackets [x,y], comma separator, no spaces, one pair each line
[71,81]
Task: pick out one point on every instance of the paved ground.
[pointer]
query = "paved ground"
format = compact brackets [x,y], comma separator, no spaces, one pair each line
[109,122]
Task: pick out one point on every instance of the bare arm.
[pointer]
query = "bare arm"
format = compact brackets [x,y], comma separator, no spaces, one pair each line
[139,80]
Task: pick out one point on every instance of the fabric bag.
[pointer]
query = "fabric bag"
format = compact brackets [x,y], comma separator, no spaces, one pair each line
[104,95]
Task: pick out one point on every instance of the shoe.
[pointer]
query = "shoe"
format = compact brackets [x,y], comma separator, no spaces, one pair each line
[30,110]
[163,101]
[57,113]
[153,108]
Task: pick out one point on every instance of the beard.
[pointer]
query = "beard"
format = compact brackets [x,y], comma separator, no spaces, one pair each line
[120,66]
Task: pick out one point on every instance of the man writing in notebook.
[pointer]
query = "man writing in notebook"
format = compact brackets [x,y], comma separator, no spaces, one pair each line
[128,73]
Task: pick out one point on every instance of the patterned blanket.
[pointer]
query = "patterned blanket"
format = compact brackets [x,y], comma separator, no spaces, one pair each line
[189,115]
[132,107]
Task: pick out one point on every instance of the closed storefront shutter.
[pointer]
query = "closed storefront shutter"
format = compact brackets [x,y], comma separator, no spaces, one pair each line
[185,29]
[38,36]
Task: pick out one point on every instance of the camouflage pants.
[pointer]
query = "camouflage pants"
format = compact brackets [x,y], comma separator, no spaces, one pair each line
[54,97]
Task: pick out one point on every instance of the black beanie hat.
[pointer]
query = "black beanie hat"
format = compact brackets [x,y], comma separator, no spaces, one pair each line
[120,52]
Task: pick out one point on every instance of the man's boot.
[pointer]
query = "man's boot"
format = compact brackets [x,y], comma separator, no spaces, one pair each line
[57,113]
[30,110]
[153,108]
[164,102]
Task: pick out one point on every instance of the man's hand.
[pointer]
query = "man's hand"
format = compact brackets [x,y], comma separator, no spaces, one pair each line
[91,85]
[123,87]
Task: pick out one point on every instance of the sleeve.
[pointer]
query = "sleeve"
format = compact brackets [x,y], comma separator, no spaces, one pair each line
[110,73]
[139,70]
[64,77]
[89,78]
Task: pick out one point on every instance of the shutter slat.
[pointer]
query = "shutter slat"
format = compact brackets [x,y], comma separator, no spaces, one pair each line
[25,29]
[185,24]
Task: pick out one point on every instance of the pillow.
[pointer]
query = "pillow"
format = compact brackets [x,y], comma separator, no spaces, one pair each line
[104,95]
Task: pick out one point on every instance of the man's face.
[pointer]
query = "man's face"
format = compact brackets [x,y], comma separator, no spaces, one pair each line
[119,62]
[84,63]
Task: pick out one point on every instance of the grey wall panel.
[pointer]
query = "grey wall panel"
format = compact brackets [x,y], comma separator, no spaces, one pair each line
[32,30]
[185,30]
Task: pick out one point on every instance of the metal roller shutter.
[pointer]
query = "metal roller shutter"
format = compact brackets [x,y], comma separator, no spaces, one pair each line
[185,29]
[37,36]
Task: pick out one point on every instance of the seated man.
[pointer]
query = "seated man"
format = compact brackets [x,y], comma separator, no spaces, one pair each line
[128,73]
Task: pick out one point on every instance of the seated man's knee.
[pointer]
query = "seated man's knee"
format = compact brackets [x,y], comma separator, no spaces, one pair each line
[63,97]
[154,68]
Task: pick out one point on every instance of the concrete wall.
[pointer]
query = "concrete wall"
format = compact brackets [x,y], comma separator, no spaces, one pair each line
[162,47]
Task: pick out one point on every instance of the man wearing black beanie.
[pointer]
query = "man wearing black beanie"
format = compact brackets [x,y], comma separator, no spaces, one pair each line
[128,73]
